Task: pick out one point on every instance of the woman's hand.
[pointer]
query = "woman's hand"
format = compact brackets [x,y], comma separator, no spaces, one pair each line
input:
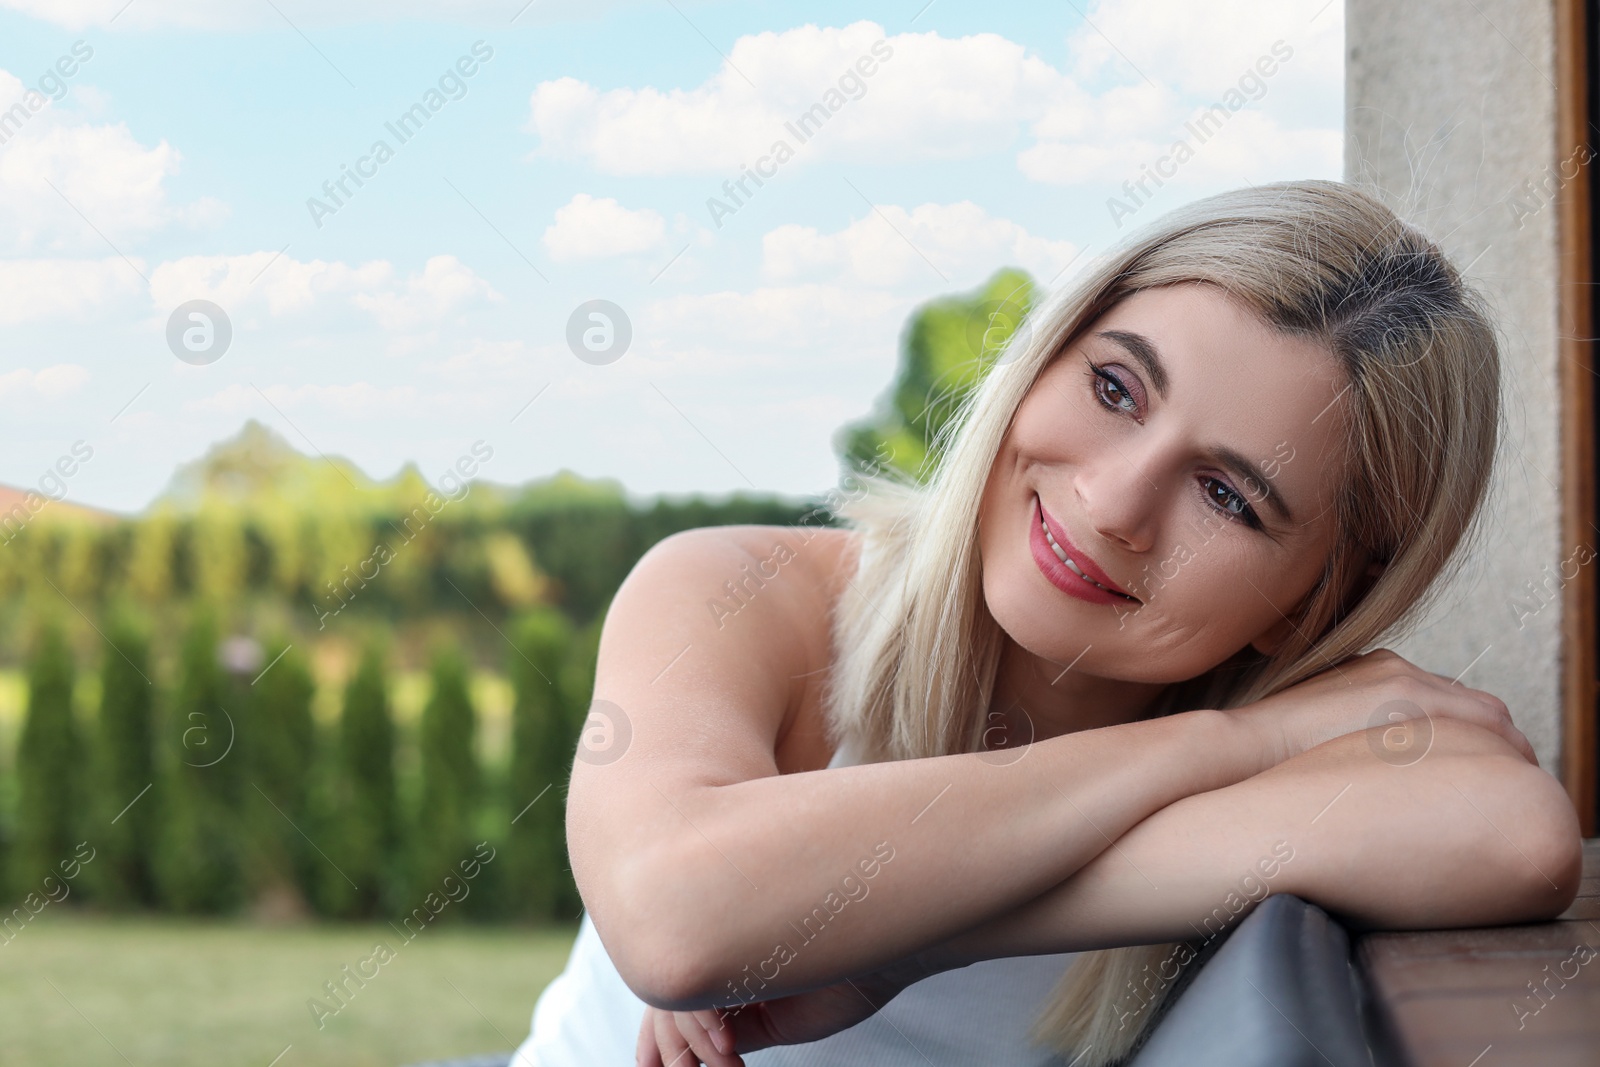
[1378,689]
[707,1036]
[716,1036]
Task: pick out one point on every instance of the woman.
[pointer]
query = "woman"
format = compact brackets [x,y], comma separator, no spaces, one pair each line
[1096,684]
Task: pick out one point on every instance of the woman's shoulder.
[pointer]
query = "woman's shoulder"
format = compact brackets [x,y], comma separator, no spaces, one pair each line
[756,604]
[752,556]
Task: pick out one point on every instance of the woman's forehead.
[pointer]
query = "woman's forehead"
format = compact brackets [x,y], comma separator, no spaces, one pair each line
[1212,345]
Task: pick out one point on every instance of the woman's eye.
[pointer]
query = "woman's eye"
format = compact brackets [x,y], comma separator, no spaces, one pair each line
[1112,393]
[1110,390]
[1224,498]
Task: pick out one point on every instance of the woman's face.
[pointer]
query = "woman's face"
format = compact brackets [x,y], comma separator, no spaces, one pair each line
[1186,455]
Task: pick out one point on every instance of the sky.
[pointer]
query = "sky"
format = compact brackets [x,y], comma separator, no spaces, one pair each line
[667,242]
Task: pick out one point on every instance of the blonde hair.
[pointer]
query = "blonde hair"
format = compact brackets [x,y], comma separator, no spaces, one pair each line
[916,650]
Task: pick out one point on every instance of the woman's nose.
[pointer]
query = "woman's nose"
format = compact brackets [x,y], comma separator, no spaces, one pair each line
[1120,498]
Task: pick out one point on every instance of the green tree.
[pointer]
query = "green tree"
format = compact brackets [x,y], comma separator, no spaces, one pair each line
[149,572]
[449,773]
[49,763]
[79,563]
[366,826]
[218,554]
[945,351]
[278,753]
[538,876]
[199,862]
[577,670]
[126,758]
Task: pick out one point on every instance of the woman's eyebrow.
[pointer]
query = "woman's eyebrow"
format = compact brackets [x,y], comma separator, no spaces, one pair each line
[1245,471]
[1139,347]
[1146,355]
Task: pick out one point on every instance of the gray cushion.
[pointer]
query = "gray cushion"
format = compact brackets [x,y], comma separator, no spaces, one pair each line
[1279,992]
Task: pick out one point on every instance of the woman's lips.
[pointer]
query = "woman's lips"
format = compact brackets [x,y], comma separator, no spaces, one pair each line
[1066,566]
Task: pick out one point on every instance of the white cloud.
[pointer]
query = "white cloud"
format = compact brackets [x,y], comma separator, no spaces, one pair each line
[60,379]
[891,246]
[590,228]
[926,97]
[352,399]
[1247,147]
[480,358]
[53,381]
[1273,75]
[289,286]
[1201,48]
[284,284]
[930,97]
[78,14]
[445,286]
[50,288]
[102,180]
[792,317]
[65,182]
[208,14]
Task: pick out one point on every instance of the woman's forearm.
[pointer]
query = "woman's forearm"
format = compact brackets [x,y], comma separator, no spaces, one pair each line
[1380,845]
[786,883]
[1192,870]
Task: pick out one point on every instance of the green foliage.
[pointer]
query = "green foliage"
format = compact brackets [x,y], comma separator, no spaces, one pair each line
[50,764]
[365,835]
[127,767]
[945,351]
[444,823]
[278,753]
[256,468]
[148,556]
[255,525]
[198,859]
[587,539]
[544,731]
[577,672]
[218,552]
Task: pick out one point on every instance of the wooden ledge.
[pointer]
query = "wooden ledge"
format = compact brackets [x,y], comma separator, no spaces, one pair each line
[1525,995]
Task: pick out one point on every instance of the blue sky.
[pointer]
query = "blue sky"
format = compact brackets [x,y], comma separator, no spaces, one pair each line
[576,163]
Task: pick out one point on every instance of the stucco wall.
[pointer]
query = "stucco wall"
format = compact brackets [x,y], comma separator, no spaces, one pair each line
[1450,109]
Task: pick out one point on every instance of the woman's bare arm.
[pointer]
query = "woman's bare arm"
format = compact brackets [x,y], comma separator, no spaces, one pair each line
[698,862]
[1471,834]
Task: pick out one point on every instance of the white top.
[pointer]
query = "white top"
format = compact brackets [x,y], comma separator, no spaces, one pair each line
[588,1017]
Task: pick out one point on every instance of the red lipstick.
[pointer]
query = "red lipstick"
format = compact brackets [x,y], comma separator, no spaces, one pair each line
[1093,585]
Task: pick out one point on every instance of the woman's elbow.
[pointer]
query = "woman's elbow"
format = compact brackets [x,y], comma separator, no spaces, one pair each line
[655,937]
[1525,845]
[1543,848]
[1470,835]
[656,960]
[661,977]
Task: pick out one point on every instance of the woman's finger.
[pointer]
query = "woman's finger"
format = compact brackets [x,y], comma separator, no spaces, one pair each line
[700,1042]
[670,1046]
[645,1051]
[721,1036]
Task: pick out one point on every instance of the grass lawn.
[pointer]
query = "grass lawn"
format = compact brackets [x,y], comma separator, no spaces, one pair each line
[86,991]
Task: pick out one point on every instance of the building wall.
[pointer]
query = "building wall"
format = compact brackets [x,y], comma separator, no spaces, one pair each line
[1450,110]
